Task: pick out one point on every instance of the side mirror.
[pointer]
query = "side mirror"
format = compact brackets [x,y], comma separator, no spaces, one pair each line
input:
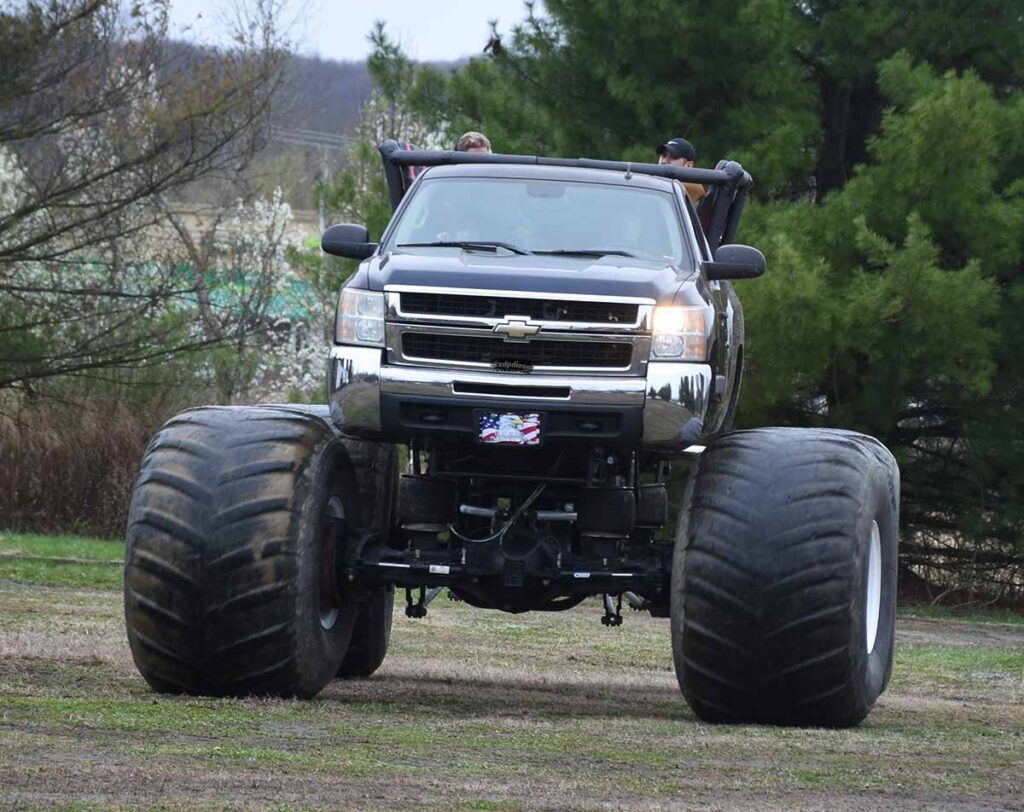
[736,262]
[348,240]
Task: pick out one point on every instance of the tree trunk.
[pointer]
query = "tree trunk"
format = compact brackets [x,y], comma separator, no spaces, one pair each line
[848,118]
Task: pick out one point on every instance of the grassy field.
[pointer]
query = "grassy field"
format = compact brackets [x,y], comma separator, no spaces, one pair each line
[478,710]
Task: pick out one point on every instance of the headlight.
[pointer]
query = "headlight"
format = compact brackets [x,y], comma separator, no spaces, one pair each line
[680,334]
[360,317]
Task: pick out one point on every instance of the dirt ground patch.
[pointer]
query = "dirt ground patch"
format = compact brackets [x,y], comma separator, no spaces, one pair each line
[478,710]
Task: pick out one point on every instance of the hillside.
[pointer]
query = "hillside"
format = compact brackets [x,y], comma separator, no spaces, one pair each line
[322,95]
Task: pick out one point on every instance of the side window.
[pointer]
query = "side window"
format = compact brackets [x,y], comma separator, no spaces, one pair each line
[698,232]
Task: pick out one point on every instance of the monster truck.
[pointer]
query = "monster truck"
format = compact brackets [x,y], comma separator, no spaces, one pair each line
[541,338]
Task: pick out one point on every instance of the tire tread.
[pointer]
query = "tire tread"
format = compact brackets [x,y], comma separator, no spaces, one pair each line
[763,573]
[211,568]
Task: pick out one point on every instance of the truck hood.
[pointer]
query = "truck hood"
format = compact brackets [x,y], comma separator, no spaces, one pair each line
[455,268]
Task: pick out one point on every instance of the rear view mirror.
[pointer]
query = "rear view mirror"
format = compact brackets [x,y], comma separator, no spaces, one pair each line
[736,262]
[348,240]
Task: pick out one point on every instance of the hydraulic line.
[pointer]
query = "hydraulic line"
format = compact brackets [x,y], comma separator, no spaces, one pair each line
[508,524]
[518,512]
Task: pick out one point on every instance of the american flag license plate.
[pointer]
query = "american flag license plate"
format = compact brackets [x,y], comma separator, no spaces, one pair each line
[509,428]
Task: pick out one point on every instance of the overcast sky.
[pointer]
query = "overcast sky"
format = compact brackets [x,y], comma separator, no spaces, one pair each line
[337,29]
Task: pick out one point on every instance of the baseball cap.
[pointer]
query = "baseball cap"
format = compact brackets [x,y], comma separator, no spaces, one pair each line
[678,148]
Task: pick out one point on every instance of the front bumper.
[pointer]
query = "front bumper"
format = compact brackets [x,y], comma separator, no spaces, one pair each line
[663,412]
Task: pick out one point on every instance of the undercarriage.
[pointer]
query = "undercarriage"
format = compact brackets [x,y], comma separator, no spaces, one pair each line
[556,525]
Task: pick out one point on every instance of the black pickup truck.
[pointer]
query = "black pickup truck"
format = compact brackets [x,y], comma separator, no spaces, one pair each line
[541,338]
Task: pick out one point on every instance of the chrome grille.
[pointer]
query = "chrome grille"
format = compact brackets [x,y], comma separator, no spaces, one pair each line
[485,349]
[555,310]
[468,328]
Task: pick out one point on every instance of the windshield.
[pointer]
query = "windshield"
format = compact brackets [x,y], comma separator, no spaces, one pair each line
[542,216]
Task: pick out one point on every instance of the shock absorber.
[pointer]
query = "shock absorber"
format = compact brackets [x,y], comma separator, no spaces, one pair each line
[612,612]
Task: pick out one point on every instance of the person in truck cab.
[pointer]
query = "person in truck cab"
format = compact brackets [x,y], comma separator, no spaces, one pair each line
[680,152]
[473,142]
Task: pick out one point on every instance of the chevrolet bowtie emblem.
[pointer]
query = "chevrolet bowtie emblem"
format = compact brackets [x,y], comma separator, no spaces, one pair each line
[516,329]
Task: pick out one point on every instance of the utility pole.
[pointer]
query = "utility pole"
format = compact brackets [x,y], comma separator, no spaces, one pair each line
[323,179]
[326,143]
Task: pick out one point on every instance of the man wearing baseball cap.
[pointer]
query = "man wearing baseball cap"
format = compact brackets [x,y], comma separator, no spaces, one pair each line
[680,152]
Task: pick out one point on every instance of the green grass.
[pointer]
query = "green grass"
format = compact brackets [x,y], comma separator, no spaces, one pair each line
[480,710]
[966,614]
[957,665]
[55,573]
[93,549]
[34,559]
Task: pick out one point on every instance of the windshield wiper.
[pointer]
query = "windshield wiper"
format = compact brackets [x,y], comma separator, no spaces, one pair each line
[473,245]
[586,252]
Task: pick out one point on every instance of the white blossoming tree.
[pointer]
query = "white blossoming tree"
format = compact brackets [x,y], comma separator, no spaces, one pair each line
[266,324]
[102,122]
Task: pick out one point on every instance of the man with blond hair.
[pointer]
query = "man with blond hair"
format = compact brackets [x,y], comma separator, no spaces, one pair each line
[473,142]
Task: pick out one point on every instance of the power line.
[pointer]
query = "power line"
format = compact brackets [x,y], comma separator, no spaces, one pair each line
[312,138]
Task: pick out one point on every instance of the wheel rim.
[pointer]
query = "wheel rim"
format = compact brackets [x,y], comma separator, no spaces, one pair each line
[328,571]
[873,588]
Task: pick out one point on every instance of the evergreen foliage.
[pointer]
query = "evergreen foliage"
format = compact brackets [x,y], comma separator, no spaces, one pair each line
[892,307]
[886,141]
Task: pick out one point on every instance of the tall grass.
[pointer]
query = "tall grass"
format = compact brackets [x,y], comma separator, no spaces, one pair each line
[69,468]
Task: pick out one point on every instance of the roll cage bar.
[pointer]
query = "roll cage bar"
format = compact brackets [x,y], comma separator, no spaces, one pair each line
[720,210]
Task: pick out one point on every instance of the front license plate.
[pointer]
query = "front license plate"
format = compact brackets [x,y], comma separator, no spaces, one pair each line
[509,428]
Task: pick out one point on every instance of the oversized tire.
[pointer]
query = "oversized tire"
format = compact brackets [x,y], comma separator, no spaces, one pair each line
[376,467]
[370,635]
[784,578]
[377,473]
[236,522]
